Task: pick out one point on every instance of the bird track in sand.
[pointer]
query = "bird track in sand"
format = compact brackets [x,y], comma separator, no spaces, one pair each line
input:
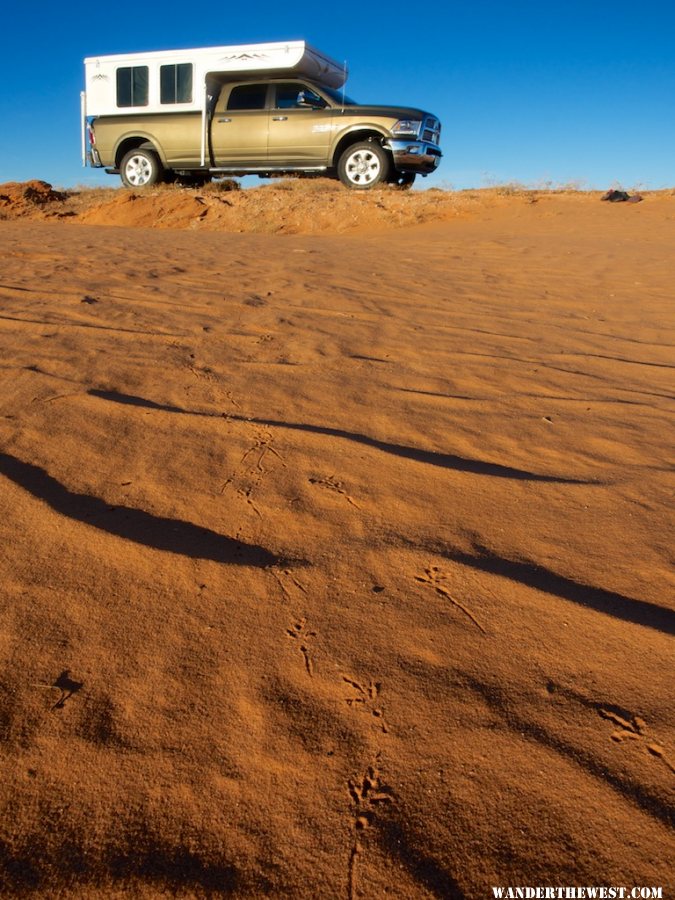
[262,446]
[634,729]
[331,483]
[291,577]
[299,633]
[629,728]
[433,576]
[367,794]
[366,699]
[254,475]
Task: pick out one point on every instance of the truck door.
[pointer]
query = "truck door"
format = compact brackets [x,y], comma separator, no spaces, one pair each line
[300,126]
[240,125]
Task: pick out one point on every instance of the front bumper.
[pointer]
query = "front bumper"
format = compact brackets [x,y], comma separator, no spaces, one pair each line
[414,156]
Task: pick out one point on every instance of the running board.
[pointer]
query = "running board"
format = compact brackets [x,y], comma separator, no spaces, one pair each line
[254,170]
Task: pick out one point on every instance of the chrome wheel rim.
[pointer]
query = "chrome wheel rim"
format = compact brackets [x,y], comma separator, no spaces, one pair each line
[138,170]
[363,167]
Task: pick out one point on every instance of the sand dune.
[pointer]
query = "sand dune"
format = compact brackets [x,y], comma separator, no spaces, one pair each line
[335,565]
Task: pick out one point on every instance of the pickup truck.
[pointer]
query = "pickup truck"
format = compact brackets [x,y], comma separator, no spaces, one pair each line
[275,121]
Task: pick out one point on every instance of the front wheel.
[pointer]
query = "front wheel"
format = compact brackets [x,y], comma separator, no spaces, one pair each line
[140,168]
[364,165]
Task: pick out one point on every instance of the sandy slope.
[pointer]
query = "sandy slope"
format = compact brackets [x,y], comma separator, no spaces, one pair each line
[291,206]
[338,566]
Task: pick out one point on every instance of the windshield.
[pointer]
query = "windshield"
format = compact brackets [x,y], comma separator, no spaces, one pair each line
[338,97]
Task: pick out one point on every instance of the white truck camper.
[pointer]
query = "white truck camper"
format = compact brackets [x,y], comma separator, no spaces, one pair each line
[148,74]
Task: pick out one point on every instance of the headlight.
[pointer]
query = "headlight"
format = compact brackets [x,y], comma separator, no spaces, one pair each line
[407,126]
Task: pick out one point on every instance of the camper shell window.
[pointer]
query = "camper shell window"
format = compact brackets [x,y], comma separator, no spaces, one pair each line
[175,83]
[132,86]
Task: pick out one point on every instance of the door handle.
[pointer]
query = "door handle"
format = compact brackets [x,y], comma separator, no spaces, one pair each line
[224,120]
[279,118]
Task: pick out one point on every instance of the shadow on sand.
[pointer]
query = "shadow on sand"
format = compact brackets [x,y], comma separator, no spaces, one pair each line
[170,535]
[429,457]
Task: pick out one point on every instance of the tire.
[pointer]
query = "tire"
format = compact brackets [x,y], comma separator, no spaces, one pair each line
[402,180]
[364,165]
[140,168]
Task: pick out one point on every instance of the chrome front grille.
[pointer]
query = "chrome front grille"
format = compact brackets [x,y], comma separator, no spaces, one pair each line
[431,130]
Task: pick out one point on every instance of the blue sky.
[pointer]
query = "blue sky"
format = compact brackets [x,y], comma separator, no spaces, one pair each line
[530,92]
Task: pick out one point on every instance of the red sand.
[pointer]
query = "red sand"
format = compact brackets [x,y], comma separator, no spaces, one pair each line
[335,565]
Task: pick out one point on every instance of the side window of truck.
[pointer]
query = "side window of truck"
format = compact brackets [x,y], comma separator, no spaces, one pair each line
[287,96]
[248,96]
[132,86]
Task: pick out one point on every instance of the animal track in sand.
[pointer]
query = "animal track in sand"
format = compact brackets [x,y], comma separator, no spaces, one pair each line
[245,493]
[232,400]
[332,484]
[633,729]
[201,372]
[433,578]
[628,727]
[366,699]
[291,577]
[299,633]
[261,447]
[367,794]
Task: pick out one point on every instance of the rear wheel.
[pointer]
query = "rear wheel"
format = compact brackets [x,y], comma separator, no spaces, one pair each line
[140,168]
[364,165]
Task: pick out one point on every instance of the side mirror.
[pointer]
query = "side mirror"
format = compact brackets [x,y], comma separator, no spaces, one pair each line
[313,101]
